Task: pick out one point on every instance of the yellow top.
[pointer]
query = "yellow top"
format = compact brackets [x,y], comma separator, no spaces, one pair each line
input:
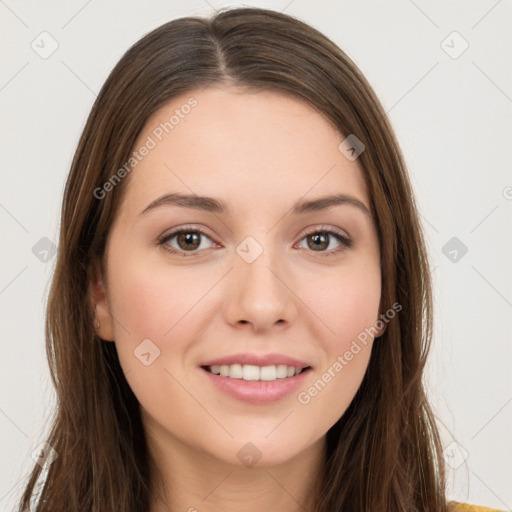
[455,506]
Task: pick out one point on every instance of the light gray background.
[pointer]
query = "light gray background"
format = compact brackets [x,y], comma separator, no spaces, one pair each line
[452,116]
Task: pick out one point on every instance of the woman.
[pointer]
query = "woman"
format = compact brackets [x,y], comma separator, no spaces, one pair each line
[241,307]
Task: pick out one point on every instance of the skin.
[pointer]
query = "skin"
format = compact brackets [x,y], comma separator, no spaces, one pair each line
[260,153]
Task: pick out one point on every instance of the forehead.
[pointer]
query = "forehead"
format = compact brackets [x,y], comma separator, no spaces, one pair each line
[252,149]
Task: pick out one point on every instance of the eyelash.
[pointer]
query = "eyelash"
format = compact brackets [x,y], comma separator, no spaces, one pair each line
[346,243]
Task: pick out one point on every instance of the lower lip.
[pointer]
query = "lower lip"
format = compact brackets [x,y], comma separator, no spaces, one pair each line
[258,391]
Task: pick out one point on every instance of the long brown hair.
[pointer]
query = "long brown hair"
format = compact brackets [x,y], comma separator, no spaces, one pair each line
[384,453]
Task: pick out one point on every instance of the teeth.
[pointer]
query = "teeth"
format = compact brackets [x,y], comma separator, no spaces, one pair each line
[252,372]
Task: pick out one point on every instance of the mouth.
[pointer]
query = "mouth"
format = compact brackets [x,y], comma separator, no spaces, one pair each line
[250,372]
[257,385]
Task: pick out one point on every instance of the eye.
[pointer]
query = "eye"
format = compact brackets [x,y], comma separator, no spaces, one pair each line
[189,241]
[187,238]
[319,239]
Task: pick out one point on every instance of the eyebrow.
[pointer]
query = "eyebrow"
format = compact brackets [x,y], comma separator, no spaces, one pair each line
[209,204]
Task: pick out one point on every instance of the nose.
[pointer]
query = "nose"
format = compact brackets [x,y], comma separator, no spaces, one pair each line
[260,293]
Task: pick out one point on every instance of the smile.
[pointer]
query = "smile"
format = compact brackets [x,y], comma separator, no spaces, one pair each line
[250,387]
[253,372]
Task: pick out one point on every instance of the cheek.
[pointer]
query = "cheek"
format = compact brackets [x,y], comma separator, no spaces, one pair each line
[348,308]
[346,301]
[154,310]
[153,301]
[354,311]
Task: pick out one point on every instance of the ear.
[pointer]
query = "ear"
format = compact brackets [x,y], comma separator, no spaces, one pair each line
[381,326]
[99,303]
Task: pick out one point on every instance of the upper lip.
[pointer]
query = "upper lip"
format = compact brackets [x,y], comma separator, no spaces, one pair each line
[256,360]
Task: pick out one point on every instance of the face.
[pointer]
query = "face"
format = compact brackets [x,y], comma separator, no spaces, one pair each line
[251,283]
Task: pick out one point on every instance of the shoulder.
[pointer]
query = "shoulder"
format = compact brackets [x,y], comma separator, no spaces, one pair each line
[455,506]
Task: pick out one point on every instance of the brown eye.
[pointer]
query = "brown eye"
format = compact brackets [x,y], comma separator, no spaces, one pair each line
[188,241]
[319,241]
